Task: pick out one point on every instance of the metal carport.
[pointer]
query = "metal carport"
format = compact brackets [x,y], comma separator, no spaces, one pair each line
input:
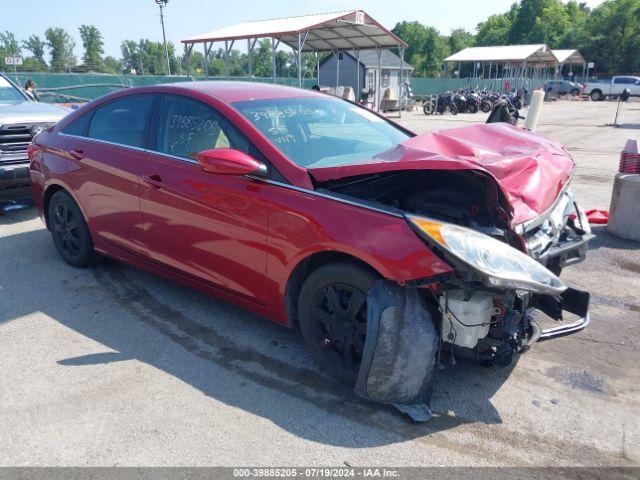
[347,30]
[571,58]
[520,63]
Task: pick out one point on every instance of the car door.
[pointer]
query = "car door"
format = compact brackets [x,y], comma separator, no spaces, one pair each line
[105,154]
[619,84]
[209,226]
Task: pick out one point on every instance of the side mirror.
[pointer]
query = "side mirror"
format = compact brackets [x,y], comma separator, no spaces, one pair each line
[626,93]
[229,161]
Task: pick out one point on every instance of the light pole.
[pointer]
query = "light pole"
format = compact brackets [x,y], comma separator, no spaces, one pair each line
[162,4]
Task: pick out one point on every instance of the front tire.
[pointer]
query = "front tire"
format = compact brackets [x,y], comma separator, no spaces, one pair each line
[69,231]
[453,109]
[332,312]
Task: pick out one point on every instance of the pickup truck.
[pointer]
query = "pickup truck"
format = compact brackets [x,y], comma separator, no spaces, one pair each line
[21,119]
[612,88]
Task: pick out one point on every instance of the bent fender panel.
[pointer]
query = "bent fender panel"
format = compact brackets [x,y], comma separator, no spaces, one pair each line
[301,224]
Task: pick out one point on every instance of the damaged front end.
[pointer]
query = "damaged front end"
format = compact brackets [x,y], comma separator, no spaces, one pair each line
[559,237]
[482,312]
[485,307]
[494,203]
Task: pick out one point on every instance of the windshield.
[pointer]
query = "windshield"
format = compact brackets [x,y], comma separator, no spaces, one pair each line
[321,132]
[8,93]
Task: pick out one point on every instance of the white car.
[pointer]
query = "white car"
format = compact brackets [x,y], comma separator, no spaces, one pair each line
[614,87]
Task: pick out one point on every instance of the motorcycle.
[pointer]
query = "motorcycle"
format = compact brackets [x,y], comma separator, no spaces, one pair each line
[504,111]
[446,102]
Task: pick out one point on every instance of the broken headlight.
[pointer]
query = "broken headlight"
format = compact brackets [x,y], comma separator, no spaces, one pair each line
[499,264]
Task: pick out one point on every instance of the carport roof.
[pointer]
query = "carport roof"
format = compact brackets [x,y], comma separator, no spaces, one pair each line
[569,57]
[505,53]
[346,30]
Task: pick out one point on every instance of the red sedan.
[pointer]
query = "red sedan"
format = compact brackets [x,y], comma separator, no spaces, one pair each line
[292,204]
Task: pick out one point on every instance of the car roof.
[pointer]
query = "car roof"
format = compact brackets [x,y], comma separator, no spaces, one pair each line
[232,91]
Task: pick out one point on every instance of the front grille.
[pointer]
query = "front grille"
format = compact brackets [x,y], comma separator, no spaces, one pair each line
[14,140]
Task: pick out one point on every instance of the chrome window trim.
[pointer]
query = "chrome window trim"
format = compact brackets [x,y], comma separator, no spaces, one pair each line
[122,145]
[252,177]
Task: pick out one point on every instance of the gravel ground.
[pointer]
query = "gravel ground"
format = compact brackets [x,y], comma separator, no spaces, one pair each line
[113,366]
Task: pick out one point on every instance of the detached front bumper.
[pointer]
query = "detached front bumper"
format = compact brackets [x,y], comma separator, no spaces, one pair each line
[573,301]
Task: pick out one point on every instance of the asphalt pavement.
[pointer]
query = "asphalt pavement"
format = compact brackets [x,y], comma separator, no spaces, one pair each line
[112,366]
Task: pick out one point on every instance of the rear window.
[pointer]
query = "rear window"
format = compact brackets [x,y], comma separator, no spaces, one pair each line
[122,121]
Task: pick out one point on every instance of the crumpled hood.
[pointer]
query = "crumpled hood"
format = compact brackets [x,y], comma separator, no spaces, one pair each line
[530,169]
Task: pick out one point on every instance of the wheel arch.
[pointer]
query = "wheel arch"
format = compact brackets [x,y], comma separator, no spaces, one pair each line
[307,265]
[49,191]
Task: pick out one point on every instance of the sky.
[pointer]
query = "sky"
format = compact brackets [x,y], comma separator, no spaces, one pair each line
[120,20]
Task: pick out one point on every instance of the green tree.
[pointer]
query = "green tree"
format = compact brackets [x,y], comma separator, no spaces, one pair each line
[575,34]
[459,39]
[427,48]
[36,46]
[93,47]
[8,48]
[61,47]
[32,64]
[524,19]
[112,65]
[148,58]
[613,31]
[551,26]
[415,35]
[262,64]
[494,30]
[130,57]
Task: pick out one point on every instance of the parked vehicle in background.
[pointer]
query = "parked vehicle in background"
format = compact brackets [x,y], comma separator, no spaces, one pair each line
[21,119]
[445,102]
[612,88]
[563,87]
[292,204]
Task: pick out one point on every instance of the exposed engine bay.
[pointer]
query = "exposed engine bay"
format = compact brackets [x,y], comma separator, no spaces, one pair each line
[487,322]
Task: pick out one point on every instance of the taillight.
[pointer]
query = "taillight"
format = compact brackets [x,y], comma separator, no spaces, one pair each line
[33,150]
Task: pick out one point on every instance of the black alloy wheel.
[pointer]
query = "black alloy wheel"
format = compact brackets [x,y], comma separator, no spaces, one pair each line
[332,311]
[69,231]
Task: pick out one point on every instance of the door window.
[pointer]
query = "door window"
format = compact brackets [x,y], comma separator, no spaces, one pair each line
[122,121]
[78,126]
[187,127]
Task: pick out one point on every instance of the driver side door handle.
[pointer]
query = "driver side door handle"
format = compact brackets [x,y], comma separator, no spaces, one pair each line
[154,180]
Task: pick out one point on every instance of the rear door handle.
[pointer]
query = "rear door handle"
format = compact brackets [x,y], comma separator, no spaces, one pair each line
[154,180]
[77,153]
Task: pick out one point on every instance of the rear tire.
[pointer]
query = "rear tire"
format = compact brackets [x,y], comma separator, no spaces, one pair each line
[453,109]
[69,231]
[485,107]
[332,312]
[596,96]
